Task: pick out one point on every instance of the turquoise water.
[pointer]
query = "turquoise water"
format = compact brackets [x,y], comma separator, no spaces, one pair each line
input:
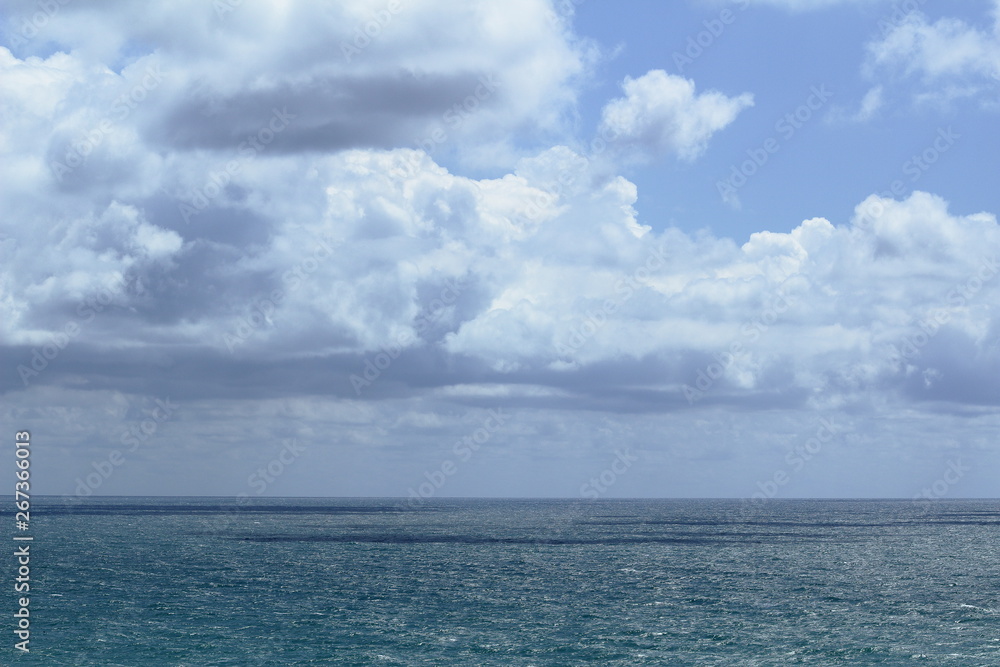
[201,581]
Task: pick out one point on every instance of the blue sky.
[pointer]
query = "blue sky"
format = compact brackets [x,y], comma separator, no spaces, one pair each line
[530,249]
[832,162]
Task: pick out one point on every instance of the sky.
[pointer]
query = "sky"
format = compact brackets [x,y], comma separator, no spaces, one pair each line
[539,248]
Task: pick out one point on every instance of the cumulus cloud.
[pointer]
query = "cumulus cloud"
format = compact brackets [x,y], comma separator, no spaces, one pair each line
[354,75]
[542,276]
[662,114]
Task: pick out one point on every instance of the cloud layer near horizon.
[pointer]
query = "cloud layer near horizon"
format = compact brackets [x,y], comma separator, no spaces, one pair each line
[543,271]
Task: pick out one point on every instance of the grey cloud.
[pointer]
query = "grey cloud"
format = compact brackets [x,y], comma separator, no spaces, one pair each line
[328,113]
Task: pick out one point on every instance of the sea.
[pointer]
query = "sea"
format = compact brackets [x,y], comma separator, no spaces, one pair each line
[382,581]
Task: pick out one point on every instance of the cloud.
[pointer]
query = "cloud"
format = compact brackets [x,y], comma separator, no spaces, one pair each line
[868,108]
[870,104]
[950,57]
[543,277]
[661,114]
[537,291]
[353,75]
[540,275]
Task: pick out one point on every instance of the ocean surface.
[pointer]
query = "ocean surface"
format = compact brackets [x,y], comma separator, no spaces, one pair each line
[206,581]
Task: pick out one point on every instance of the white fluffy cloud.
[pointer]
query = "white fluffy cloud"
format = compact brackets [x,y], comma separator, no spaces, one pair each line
[661,113]
[950,56]
[355,74]
[543,270]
